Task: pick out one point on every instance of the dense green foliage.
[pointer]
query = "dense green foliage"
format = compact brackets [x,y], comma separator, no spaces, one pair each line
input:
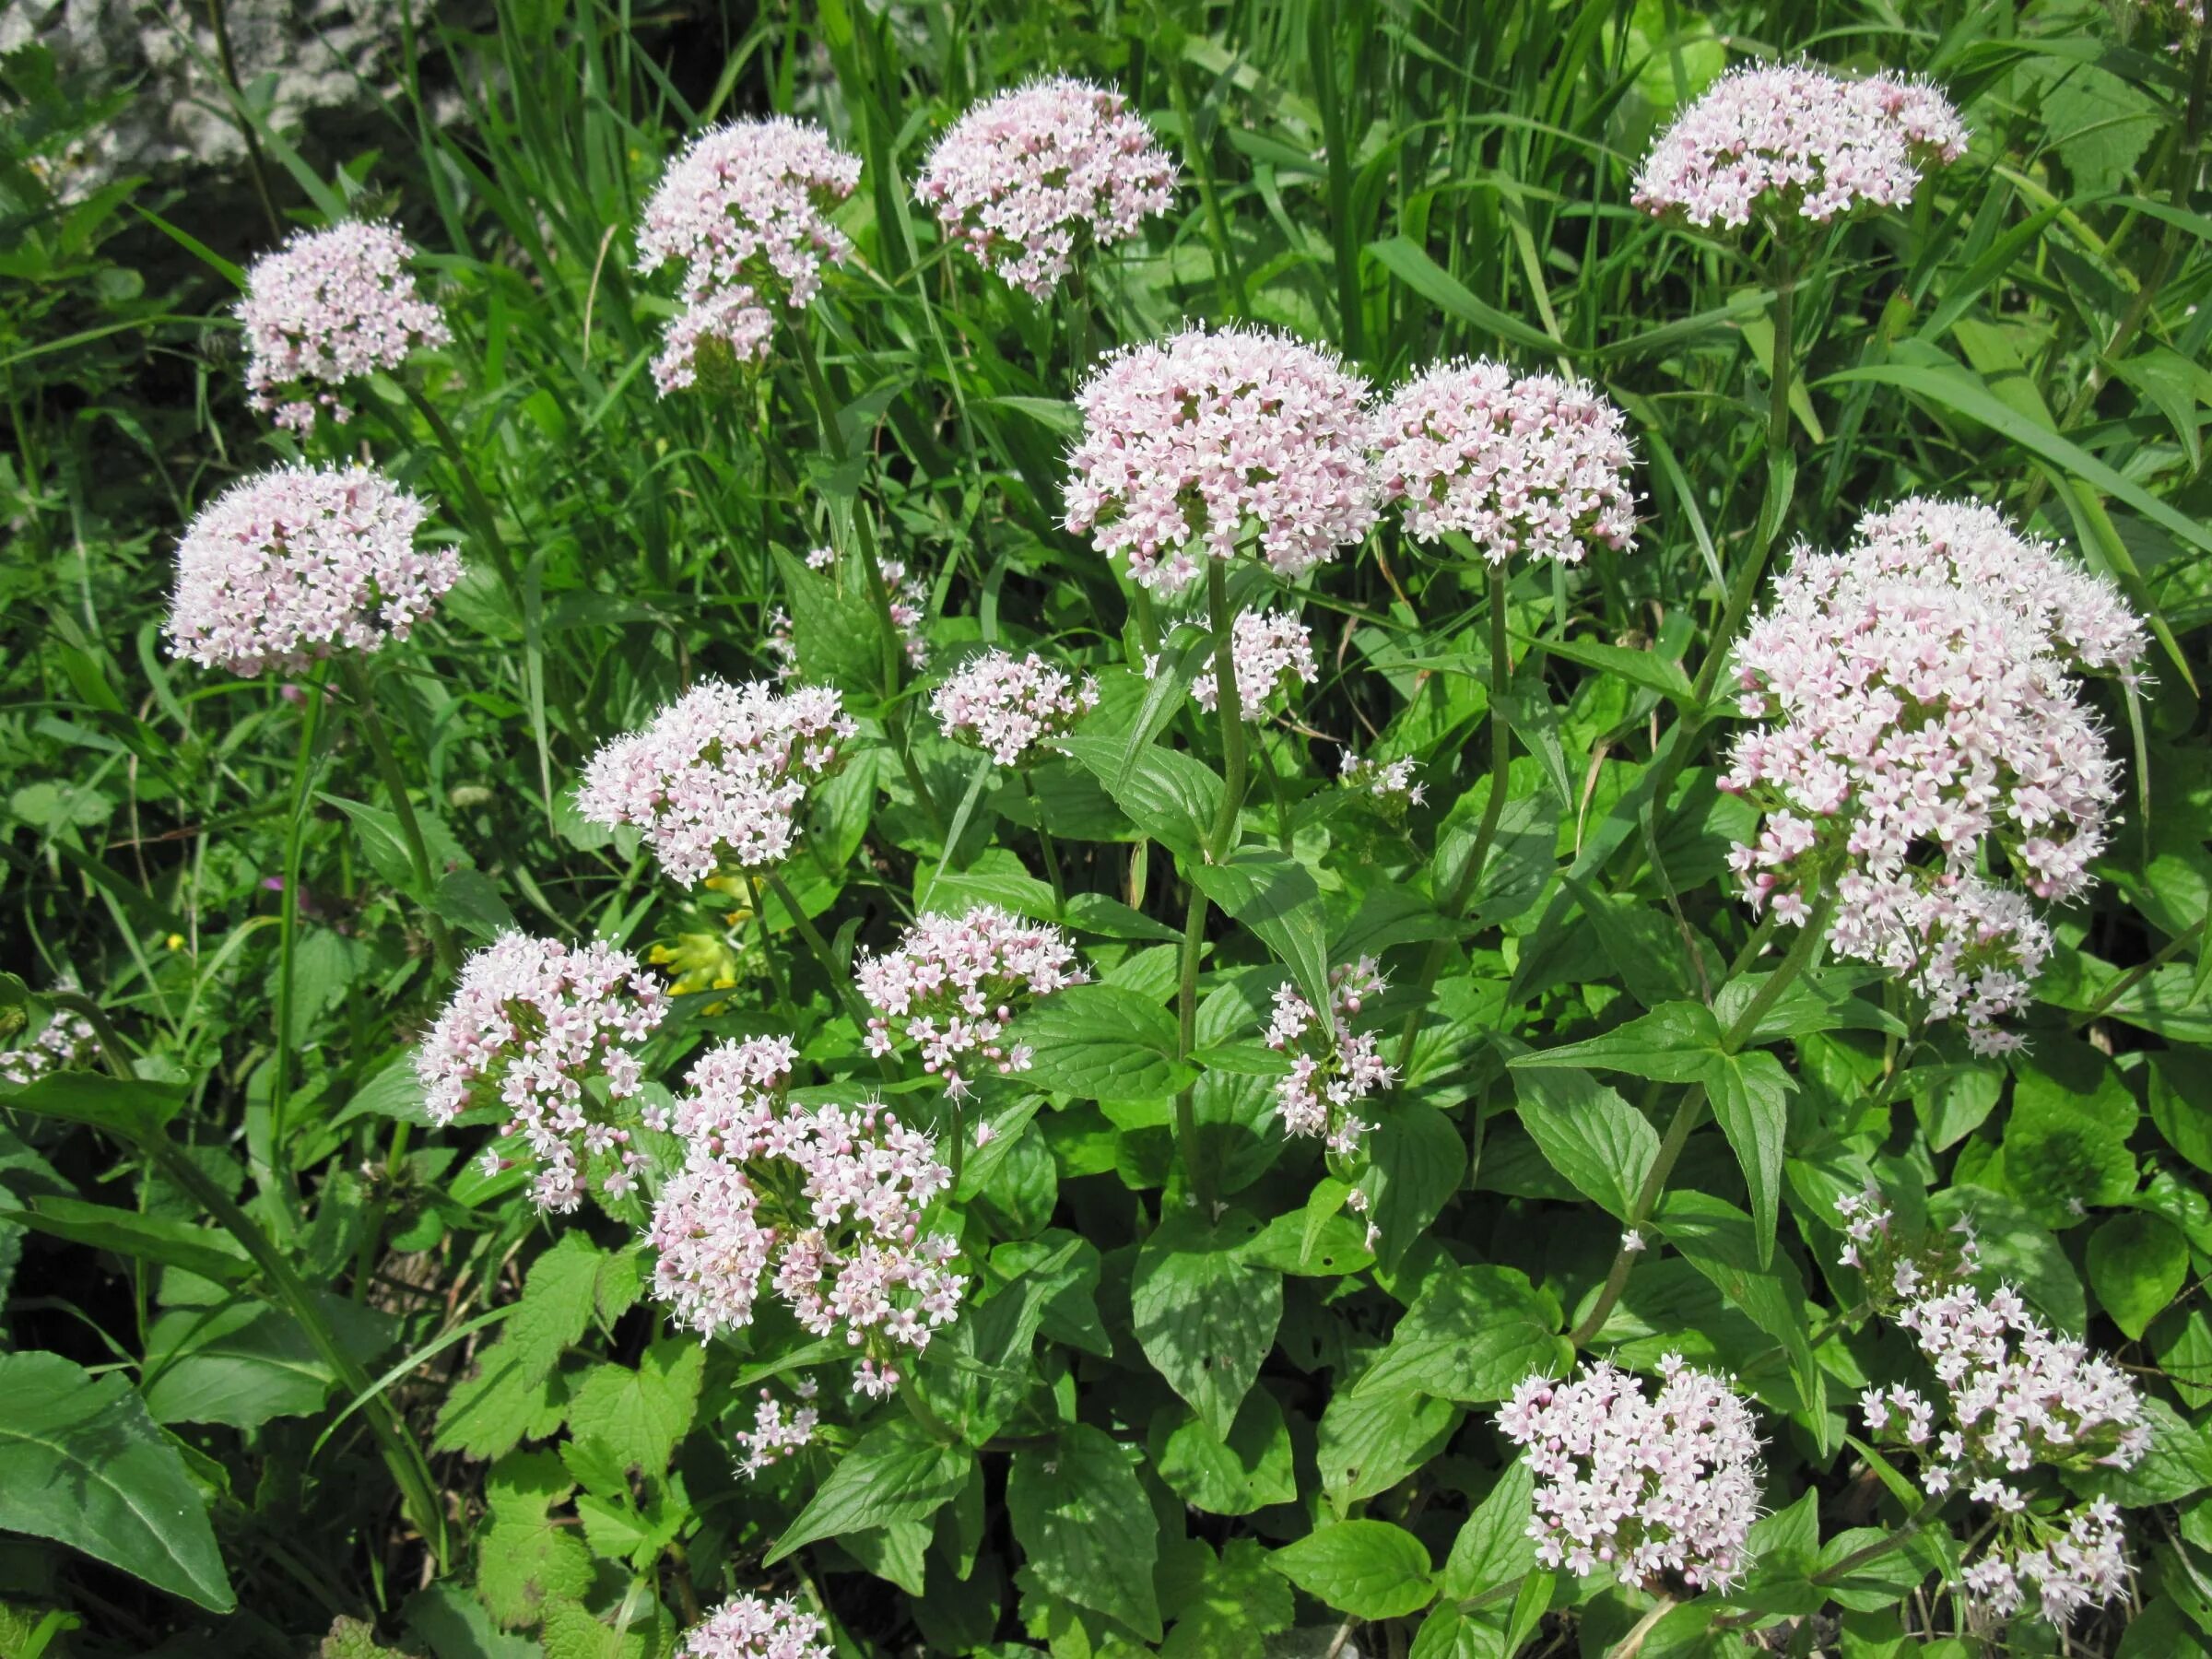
[278,1353]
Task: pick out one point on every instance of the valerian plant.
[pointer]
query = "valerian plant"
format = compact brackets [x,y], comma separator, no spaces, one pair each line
[1320,829]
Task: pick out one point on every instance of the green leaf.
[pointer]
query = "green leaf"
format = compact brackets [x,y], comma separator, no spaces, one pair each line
[129,1108]
[1646,668]
[1600,1143]
[1471,1334]
[512,1396]
[1493,1546]
[1275,896]
[834,625]
[1750,1095]
[1718,1240]
[1367,1443]
[378,835]
[1675,1043]
[247,1363]
[1368,1569]
[1166,794]
[1084,1523]
[2136,1265]
[1103,1042]
[1204,1314]
[1248,1470]
[527,1558]
[1410,264]
[1236,1607]
[898,1472]
[204,1250]
[1416,1160]
[471,901]
[637,1417]
[82,1463]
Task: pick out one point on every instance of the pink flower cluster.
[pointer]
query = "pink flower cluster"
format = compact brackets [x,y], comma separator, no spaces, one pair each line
[1012,706]
[750,1627]
[2014,1397]
[1897,1269]
[1389,783]
[953,985]
[717,778]
[1791,140]
[1270,652]
[1643,1486]
[910,610]
[1534,465]
[550,1034]
[293,563]
[1333,1067]
[66,1042]
[745,209]
[825,1204]
[1921,716]
[1208,441]
[329,306]
[776,1433]
[1028,178]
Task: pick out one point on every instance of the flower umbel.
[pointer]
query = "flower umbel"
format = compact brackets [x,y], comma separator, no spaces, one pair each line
[745,209]
[329,306]
[550,1034]
[1208,441]
[299,562]
[750,1627]
[1532,465]
[1333,1067]
[1012,707]
[954,983]
[1643,1486]
[1793,141]
[1271,654]
[1030,179]
[716,780]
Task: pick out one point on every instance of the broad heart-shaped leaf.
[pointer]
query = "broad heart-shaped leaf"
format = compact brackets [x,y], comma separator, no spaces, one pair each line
[1276,898]
[82,1463]
[1586,1132]
[1367,1444]
[1247,1471]
[1168,796]
[1493,1545]
[1415,1161]
[1750,1096]
[1675,1043]
[1204,1314]
[1085,1526]
[636,1417]
[129,1108]
[1103,1042]
[2136,1264]
[896,1473]
[1368,1569]
[1469,1336]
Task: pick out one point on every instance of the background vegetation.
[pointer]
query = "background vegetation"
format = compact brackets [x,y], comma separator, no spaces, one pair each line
[398,1407]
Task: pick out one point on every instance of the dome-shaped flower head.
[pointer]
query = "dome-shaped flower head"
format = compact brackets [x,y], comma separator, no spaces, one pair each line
[745,210]
[1208,442]
[1028,178]
[1641,1485]
[1922,721]
[1011,706]
[66,1042]
[1333,1067]
[1530,465]
[329,306]
[954,983]
[299,562]
[550,1034]
[822,1206]
[1791,141]
[1271,654]
[718,778]
[750,1627]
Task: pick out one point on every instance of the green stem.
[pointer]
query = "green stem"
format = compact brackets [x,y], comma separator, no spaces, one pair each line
[776,981]
[1235,773]
[1186,1039]
[1690,1112]
[1502,759]
[855,1009]
[288,921]
[1044,842]
[403,809]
